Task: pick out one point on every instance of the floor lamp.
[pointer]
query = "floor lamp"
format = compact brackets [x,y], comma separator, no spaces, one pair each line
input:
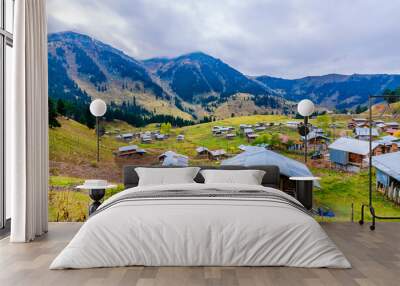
[98,108]
[305,109]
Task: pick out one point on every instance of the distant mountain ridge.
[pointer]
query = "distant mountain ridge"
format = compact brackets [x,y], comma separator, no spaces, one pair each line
[192,85]
[333,90]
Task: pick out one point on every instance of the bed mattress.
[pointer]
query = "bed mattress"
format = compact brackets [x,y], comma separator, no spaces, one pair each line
[201,225]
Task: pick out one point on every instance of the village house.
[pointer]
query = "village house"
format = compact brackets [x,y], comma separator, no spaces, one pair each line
[388,144]
[378,121]
[347,152]
[388,175]
[362,133]
[260,128]
[381,126]
[217,154]
[357,122]
[202,151]
[294,144]
[393,125]
[314,138]
[146,137]
[125,136]
[293,124]
[250,134]
[160,137]
[129,151]
[230,136]
[180,138]
[170,158]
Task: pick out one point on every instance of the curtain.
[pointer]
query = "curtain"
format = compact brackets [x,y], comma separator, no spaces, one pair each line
[27,127]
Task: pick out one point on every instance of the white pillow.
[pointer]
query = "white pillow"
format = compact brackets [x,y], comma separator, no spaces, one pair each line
[247,177]
[166,176]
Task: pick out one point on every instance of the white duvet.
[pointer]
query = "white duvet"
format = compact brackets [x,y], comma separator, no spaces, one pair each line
[200,231]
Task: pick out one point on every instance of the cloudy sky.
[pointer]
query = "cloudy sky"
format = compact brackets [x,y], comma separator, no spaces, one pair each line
[286,38]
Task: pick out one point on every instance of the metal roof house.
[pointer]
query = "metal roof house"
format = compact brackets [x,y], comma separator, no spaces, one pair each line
[216,154]
[129,150]
[145,138]
[201,150]
[388,174]
[393,125]
[293,124]
[315,138]
[125,136]
[230,136]
[349,151]
[362,133]
[171,158]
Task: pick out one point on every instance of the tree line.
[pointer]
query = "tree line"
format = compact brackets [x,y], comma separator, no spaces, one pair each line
[129,112]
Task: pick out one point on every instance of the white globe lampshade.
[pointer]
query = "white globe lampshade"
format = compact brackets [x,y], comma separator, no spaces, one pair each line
[98,107]
[305,107]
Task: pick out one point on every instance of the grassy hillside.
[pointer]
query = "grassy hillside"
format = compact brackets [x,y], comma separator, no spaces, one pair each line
[73,158]
[384,110]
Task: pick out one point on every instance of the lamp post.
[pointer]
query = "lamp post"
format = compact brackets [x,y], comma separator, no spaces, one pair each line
[98,108]
[305,109]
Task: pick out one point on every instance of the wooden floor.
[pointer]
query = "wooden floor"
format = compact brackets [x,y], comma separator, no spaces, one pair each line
[375,257]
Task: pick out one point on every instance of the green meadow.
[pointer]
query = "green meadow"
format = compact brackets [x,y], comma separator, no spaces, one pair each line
[73,159]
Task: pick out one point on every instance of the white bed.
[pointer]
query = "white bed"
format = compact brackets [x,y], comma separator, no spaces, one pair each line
[202,231]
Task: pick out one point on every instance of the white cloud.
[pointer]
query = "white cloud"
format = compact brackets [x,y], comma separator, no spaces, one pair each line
[290,38]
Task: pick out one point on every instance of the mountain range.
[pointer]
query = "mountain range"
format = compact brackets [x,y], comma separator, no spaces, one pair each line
[192,85]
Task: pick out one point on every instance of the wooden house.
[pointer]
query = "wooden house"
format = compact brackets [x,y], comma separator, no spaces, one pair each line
[180,138]
[125,136]
[388,144]
[393,125]
[362,133]
[230,136]
[146,138]
[130,150]
[388,175]
[314,138]
[170,158]
[160,137]
[293,124]
[202,151]
[345,152]
[217,154]
[260,128]
[357,122]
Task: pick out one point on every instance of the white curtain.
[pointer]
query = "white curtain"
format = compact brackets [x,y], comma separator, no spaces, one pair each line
[27,123]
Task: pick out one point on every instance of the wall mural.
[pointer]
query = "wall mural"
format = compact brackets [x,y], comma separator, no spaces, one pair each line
[196,109]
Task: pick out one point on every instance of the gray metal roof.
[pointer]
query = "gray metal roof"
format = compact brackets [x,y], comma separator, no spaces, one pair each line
[201,149]
[287,166]
[352,145]
[388,163]
[127,148]
[364,131]
[171,154]
[174,159]
[218,152]
[387,140]
[313,135]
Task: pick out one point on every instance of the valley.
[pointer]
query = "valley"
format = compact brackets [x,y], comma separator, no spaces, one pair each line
[73,159]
